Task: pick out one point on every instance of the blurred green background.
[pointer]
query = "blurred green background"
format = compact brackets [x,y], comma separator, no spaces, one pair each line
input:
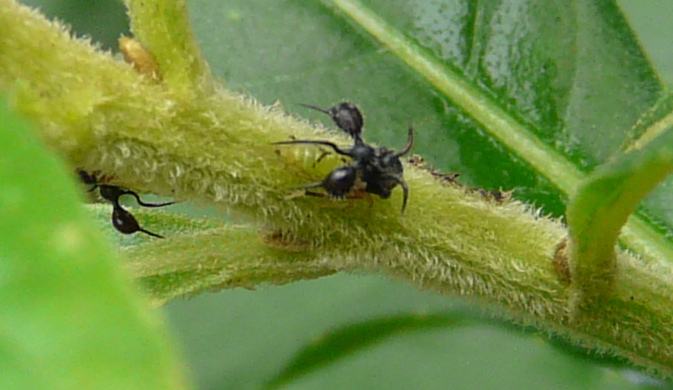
[238,339]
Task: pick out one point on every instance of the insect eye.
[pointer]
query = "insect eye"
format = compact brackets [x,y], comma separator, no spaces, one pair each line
[392,163]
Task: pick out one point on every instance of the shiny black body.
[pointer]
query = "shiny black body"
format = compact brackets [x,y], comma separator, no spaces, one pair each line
[374,170]
[122,219]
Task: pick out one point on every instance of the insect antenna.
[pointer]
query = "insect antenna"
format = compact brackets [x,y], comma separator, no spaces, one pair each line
[144,204]
[405,190]
[409,145]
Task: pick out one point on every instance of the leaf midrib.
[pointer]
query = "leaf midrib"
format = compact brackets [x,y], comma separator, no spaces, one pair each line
[637,234]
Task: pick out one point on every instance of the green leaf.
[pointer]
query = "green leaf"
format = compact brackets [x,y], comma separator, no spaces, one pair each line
[598,85]
[241,338]
[70,319]
[651,124]
[349,339]
[102,21]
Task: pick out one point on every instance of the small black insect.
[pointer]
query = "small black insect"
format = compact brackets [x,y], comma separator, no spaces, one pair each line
[122,219]
[372,170]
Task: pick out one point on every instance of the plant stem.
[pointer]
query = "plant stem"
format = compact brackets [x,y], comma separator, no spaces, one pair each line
[600,209]
[163,27]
